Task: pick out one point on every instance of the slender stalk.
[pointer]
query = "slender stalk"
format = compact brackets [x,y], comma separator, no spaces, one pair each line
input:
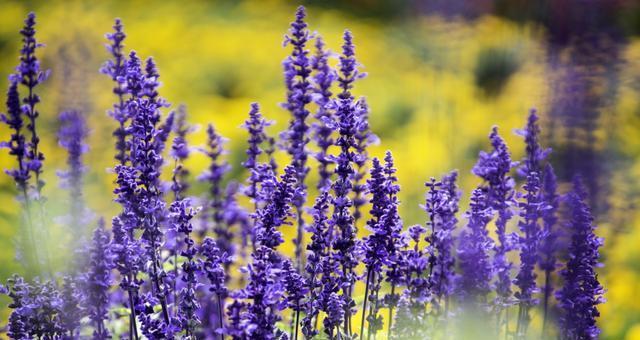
[297,323]
[364,304]
[133,328]
[545,311]
[220,316]
[393,288]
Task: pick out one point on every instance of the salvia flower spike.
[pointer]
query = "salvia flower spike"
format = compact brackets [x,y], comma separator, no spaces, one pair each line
[297,73]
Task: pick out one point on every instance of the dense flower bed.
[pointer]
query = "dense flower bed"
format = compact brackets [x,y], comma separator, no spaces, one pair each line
[166,267]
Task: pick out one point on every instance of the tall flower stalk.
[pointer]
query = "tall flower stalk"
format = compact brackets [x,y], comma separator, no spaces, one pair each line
[71,136]
[323,78]
[22,114]
[494,168]
[297,72]
[581,292]
[548,238]
[115,69]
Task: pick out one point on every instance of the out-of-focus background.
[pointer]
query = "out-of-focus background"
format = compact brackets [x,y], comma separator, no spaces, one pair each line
[440,74]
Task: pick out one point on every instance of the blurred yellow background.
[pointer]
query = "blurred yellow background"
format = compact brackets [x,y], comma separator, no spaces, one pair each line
[217,57]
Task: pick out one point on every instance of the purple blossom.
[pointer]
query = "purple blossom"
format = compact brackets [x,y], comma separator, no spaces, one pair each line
[235,327]
[348,124]
[212,266]
[317,253]
[412,313]
[266,288]
[255,125]
[180,152]
[581,292]
[473,251]
[71,312]
[28,73]
[71,136]
[531,208]
[97,282]
[494,168]
[297,72]
[323,78]
[364,137]
[258,171]
[382,249]
[549,235]
[16,143]
[441,206]
[213,177]
[181,214]
[36,310]
[115,69]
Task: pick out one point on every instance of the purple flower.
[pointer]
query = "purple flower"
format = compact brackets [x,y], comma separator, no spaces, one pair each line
[212,266]
[323,79]
[348,68]
[255,125]
[335,314]
[364,137]
[36,310]
[115,69]
[473,251]
[549,235]
[16,143]
[531,208]
[180,152]
[442,205]
[266,286]
[382,249]
[297,71]
[213,177]
[317,253]
[181,214]
[28,73]
[71,136]
[581,292]
[494,168]
[71,312]
[258,171]
[97,282]
[139,192]
[235,328]
[347,113]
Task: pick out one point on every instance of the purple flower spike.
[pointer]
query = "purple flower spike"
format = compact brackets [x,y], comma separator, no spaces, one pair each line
[494,168]
[115,68]
[266,287]
[441,206]
[382,249]
[180,152]
[73,132]
[255,125]
[323,79]
[473,252]
[549,235]
[98,281]
[28,73]
[318,252]
[581,292]
[297,70]
[213,177]
[181,214]
[16,143]
[349,72]
[531,208]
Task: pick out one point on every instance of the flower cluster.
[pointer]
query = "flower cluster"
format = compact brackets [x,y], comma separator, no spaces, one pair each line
[153,274]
